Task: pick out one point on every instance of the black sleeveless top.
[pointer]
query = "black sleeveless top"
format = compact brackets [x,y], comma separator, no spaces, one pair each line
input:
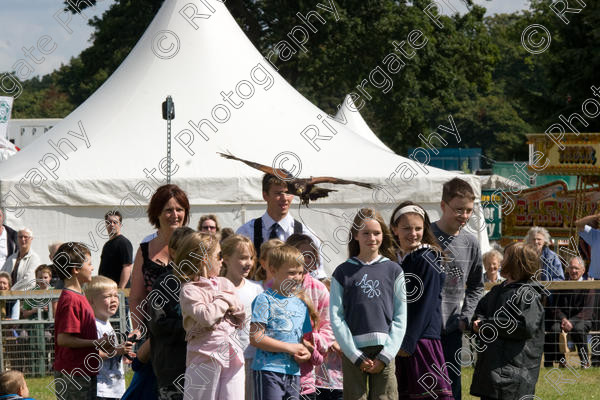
[151,269]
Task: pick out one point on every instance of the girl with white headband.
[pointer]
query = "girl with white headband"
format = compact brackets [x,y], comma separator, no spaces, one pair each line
[421,351]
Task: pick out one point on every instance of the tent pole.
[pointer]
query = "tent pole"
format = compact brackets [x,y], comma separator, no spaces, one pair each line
[168,112]
[168,151]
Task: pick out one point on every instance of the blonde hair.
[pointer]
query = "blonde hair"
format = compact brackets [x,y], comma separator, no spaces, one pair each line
[230,245]
[287,255]
[98,285]
[260,272]
[492,253]
[284,255]
[312,311]
[11,382]
[267,246]
[191,257]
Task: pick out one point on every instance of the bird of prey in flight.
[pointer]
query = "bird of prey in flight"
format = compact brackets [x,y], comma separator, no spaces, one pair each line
[305,188]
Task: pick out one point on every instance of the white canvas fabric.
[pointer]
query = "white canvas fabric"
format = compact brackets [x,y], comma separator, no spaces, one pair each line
[349,114]
[107,153]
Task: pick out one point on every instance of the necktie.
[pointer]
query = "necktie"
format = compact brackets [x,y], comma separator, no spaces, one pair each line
[274,234]
[15,270]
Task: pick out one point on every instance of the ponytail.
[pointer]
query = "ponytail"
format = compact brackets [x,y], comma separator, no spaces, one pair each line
[312,311]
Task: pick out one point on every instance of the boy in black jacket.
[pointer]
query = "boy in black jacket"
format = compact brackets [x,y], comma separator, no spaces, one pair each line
[510,323]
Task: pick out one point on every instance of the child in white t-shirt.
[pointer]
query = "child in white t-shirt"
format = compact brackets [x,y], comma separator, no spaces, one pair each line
[239,258]
[102,295]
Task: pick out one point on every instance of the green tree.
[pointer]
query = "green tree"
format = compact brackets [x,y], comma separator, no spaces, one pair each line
[474,68]
[42,98]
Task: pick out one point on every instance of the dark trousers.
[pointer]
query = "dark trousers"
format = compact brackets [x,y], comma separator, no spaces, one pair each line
[595,327]
[451,343]
[578,335]
[327,394]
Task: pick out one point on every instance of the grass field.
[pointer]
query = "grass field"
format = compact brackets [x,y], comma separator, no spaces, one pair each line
[38,387]
[561,384]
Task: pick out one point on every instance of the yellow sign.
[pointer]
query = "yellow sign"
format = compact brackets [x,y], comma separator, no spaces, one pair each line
[550,206]
[568,154]
[491,198]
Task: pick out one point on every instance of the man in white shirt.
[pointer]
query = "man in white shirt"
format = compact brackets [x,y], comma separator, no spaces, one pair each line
[22,264]
[8,239]
[276,222]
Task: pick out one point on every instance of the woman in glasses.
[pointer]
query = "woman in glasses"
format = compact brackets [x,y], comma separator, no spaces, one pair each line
[209,223]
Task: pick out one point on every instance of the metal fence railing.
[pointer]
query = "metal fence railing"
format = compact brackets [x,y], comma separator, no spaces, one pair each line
[572,324]
[27,345]
[579,303]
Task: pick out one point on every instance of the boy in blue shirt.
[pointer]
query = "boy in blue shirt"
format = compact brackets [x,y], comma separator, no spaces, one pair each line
[279,320]
[13,386]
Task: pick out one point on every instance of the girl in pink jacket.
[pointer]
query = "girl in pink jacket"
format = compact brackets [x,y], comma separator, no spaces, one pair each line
[211,313]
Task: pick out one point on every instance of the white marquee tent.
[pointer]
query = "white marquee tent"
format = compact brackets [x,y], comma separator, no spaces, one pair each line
[350,116]
[107,153]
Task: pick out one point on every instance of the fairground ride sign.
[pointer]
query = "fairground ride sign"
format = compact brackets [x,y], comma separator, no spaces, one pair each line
[570,154]
[491,202]
[550,206]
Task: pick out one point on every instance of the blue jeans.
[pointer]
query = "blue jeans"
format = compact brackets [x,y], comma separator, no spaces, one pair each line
[269,385]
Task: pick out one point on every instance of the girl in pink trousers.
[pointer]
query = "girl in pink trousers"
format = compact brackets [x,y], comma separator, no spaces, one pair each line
[211,313]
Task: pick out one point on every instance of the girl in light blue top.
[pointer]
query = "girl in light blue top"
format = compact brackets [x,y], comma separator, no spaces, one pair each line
[368,309]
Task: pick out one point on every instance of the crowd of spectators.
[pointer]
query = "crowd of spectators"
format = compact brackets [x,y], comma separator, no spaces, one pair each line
[572,313]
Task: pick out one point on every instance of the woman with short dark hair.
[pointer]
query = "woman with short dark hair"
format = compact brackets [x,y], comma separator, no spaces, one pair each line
[168,210]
